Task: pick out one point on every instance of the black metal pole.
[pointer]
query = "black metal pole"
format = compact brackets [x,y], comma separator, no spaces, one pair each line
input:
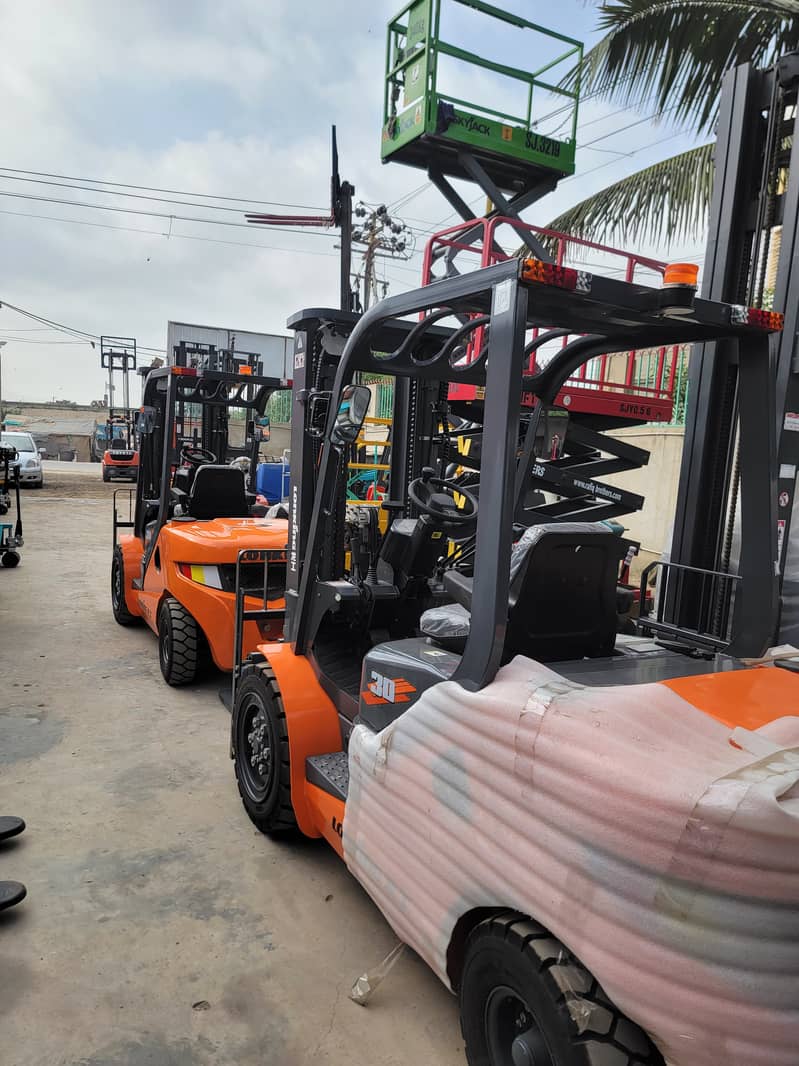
[346,244]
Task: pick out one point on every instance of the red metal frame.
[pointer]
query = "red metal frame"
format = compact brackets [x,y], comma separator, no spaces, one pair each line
[597,393]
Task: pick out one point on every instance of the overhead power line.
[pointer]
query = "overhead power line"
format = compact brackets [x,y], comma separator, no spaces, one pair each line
[583,173]
[141,211]
[127,195]
[171,192]
[27,340]
[84,335]
[170,236]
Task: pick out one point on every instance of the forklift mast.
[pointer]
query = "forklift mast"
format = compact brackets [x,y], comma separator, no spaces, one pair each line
[212,430]
[320,336]
[752,245]
[118,355]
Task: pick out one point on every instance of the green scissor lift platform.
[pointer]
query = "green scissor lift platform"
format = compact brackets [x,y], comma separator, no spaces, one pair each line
[426,125]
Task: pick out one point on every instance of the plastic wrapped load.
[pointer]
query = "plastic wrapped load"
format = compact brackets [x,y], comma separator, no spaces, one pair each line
[660,846]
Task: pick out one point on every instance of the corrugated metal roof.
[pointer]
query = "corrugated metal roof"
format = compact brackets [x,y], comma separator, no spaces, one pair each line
[59,427]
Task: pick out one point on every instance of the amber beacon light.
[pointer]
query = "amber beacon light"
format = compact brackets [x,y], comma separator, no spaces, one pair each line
[681,274]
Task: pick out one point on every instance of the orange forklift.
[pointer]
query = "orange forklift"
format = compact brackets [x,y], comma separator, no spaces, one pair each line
[591,837]
[189,564]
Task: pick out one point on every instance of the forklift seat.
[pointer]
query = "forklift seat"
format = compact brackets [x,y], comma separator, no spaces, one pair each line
[562,596]
[218,492]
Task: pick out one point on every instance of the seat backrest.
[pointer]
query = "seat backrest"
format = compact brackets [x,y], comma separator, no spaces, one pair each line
[218,492]
[562,601]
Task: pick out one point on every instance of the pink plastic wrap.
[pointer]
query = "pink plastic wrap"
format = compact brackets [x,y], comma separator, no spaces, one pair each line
[660,850]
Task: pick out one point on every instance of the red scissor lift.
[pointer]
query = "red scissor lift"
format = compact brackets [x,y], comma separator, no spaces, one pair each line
[634,386]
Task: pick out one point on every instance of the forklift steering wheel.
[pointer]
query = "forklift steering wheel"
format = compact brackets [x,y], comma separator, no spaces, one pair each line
[196,456]
[436,498]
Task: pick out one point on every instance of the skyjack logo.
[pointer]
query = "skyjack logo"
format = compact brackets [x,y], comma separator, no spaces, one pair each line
[472,125]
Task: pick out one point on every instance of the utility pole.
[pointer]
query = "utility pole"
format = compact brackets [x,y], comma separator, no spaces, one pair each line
[383,237]
[341,193]
[2,415]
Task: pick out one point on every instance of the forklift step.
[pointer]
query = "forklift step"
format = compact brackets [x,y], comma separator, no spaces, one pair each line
[330,772]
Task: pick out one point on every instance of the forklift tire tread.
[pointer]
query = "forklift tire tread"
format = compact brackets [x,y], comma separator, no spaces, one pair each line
[269,809]
[178,643]
[122,615]
[566,1004]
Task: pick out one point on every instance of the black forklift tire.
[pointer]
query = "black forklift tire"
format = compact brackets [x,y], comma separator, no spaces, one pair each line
[525,1000]
[106,475]
[122,615]
[10,559]
[178,643]
[260,750]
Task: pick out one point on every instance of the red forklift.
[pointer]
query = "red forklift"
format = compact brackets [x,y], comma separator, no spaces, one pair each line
[120,460]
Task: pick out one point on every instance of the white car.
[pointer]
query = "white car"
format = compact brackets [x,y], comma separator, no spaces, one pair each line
[30,463]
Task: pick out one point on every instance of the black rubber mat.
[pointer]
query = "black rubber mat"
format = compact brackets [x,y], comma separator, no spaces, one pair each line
[10,826]
[11,893]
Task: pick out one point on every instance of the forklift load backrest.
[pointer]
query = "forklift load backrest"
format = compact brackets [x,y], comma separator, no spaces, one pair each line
[562,595]
[218,492]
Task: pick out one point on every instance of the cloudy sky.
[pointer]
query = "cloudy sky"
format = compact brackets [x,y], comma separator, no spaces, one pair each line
[230,98]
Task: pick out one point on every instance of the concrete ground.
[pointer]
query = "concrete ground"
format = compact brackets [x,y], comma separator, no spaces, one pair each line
[160,928]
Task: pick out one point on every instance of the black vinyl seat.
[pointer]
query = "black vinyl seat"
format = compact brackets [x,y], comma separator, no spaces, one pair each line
[562,596]
[218,492]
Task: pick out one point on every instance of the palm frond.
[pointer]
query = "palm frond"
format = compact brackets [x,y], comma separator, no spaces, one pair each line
[667,200]
[677,51]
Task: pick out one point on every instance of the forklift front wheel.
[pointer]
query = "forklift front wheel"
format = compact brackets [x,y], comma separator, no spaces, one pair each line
[10,559]
[118,605]
[261,752]
[525,1000]
[178,643]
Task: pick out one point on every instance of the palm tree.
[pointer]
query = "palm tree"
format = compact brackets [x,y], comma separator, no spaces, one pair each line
[674,53]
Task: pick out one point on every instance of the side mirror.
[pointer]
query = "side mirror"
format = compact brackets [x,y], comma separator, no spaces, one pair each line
[355,400]
[42,453]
